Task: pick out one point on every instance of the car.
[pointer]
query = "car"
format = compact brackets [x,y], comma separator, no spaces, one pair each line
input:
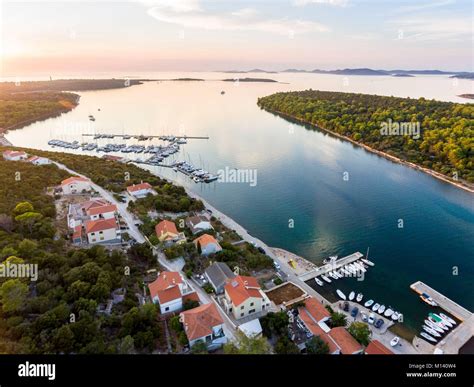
[378,323]
[277,265]
[259,248]
[371,318]
[354,312]
[364,316]
[346,306]
[394,342]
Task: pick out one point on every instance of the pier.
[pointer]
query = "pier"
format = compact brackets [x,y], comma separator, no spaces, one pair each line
[459,336]
[108,135]
[4,141]
[330,266]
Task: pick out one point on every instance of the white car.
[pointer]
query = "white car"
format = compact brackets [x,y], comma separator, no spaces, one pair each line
[277,265]
[364,317]
[394,342]
[371,318]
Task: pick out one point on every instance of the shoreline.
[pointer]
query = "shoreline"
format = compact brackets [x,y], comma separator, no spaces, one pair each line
[469,187]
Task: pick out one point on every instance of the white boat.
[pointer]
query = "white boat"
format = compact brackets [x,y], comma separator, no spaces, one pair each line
[440,324]
[428,337]
[388,312]
[341,273]
[394,342]
[431,331]
[359,297]
[326,279]
[395,316]
[360,267]
[376,307]
[369,303]
[370,263]
[349,269]
[444,321]
[381,309]
[319,282]
[432,325]
[346,272]
[447,318]
[341,294]
[426,298]
[332,275]
[351,295]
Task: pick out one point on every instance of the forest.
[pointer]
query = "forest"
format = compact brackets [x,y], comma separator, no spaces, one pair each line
[58,313]
[446,144]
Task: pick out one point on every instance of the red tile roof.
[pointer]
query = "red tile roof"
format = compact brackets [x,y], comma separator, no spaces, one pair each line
[102,209]
[165,226]
[198,322]
[375,347]
[139,187]
[164,280]
[344,340]
[73,179]
[12,153]
[315,309]
[100,225]
[205,239]
[170,294]
[242,288]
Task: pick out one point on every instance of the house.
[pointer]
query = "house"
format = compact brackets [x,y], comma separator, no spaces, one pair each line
[375,347]
[77,236]
[90,210]
[243,297]
[345,342]
[170,291]
[251,329]
[204,324]
[141,190]
[107,211]
[167,233]
[12,155]
[208,244]
[198,224]
[313,312]
[37,160]
[218,274]
[102,231]
[75,184]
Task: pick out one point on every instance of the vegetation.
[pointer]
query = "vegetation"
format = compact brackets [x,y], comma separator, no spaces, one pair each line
[275,327]
[446,144]
[317,346]
[338,319]
[244,345]
[360,331]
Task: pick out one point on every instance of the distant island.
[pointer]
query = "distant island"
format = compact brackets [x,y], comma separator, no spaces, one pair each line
[184,80]
[249,71]
[441,145]
[249,80]
[464,76]
[469,96]
[403,75]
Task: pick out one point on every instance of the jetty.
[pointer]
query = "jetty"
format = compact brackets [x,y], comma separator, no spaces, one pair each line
[455,339]
[335,265]
[143,136]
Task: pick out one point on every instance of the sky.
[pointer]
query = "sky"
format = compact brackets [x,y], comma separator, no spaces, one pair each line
[38,37]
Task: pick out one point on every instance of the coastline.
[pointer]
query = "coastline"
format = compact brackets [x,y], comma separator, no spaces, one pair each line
[469,187]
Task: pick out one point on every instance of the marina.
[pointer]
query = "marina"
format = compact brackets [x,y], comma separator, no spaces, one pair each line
[332,266]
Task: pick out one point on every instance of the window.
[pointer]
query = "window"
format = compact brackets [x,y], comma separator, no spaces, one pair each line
[242,314]
[251,304]
[252,311]
[242,307]
[167,308]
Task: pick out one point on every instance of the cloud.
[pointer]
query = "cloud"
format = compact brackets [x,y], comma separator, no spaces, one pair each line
[425,28]
[421,7]
[189,14]
[337,3]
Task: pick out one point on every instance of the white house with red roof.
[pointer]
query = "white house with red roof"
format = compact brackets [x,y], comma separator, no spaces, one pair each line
[244,297]
[141,190]
[38,160]
[12,155]
[75,185]
[168,234]
[102,231]
[170,291]
[204,324]
[208,244]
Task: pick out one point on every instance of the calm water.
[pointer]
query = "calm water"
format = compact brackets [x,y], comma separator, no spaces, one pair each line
[300,177]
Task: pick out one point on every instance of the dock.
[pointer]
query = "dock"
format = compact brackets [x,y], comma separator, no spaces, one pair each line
[455,339]
[331,266]
[143,136]
[4,141]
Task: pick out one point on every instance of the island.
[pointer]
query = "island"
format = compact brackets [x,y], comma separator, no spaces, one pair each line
[442,146]
[402,75]
[249,80]
[469,96]
[184,80]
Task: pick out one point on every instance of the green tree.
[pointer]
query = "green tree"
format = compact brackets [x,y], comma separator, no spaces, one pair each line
[360,331]
[12,295]
[338,319]
[317,346]
[199,348]
[284,346]
[244,345]
[127,345]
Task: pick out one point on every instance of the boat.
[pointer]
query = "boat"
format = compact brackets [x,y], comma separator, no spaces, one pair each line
[351,295]
[381,309]
[359,297]
[370,263]
[388,312]
[394,342]
[332,275]
[447,318]
[432,325]
[396,316]
[360,267]
[431,331]
[440,320]
[196,179]
[426,298]
[319,282]
[440,324]
[376,307]
[369,303]
[341,294]
[444,321]
[350,270]
[428,337]
[346,272]
[326,279]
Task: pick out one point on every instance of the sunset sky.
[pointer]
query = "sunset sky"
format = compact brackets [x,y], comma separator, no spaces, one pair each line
[72,37]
